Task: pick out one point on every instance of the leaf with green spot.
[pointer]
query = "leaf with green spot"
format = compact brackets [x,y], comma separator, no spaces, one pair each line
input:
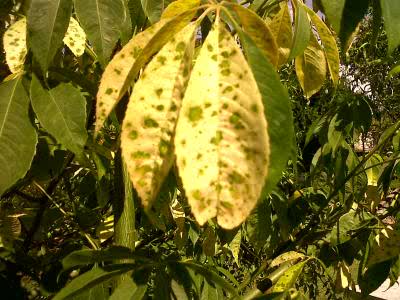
[258,30]
[75,38]
[102,21]
[311,68]
[281,27]
[62,112]
[124,67]
[18,137]
[47,24]
[289,278]
[233,141]
[14,40]
[302,31]
[329,45]
[153,128]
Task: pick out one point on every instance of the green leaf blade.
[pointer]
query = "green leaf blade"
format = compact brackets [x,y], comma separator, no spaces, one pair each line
[18,137]
[391,16]
[48,22]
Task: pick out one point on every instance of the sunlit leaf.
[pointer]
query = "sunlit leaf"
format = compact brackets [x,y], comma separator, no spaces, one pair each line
[124,67]
[221,136]
[259,31]
[311,68]
[102,21]
[289,278]
[18,137]
[14,40]
[62,112]
[329,45]
[178,7]
[75,38]
[281,27]
[152,112]
[47,23]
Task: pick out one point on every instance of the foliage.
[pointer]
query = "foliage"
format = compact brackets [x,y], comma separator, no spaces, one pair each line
[198,149]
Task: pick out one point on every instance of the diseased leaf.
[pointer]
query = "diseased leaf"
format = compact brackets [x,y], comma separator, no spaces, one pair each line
[391,16]
[329,45]
[221,141]
[277,111]
[281,27]
[311,68]
[152,112]
[154,8]
[302,32]
[178,7]
[14,40]
[384,246]
[259,31]
[75,38]
[102,21]
[47,24]
[287,256]
[124,67]
[18,137]
[234,246]
[62,112]
[289,278]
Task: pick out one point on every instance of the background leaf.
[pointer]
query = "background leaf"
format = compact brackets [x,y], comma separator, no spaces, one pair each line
[47,23]
[154,8]
[102,21]
[62,112]
[391,16]
[18,137]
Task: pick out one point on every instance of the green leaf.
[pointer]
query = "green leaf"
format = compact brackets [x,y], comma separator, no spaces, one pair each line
[14,40]
[281,27]
[152,112]
[126,24]
[212,276]
[86,257]
[18,137]
[128,290]
[90,279]
[62,112]
[98,292]
[311,68]
[373,278]
[334,11]
[277,110]
[259,32]
[302,31]
[102,21]
[329,45]
[48,22]
[391,16]
[222,126]
[154,8]
[124,67]
[289,278]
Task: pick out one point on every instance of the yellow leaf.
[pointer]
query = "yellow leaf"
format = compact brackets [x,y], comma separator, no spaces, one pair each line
[329,44]
[152,112]
[178,7]
[120,73]
[259,31]
[281,27]
[311,68]
[287,256]
[14,41]
[75,38]
[221,141]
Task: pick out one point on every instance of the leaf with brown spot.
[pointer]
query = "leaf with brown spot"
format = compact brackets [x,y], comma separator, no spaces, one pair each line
[224,160]
[153,109]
